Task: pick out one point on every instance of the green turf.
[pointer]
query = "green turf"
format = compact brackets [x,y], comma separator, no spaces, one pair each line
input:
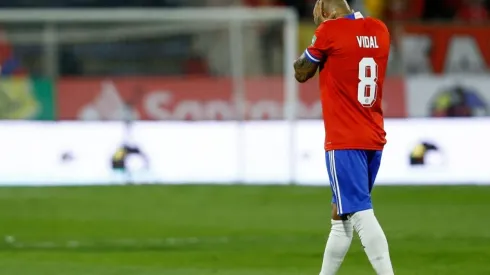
[232,230]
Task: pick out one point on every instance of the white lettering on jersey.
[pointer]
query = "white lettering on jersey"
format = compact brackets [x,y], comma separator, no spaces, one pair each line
[367,42]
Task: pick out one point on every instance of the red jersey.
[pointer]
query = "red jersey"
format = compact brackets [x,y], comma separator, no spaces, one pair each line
[353,56]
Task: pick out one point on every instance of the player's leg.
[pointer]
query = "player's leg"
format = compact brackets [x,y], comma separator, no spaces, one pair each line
[338,244]
[367,226]
[341,233]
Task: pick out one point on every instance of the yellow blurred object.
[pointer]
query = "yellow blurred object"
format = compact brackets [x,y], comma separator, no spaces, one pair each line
[120,154]
[418,151]
[375,8]
[16,98]
[305,34]
[443,102]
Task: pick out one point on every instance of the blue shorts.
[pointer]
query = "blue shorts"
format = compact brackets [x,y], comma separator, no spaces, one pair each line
[352,174]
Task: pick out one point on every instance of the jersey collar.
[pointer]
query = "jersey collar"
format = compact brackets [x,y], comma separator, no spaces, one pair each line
[354,16]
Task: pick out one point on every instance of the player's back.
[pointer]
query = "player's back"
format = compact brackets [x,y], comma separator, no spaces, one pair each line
[351,82]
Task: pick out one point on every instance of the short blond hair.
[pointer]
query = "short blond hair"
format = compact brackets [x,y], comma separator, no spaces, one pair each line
[333,4]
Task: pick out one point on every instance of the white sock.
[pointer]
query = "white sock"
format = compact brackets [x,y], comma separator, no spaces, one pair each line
[374,241]
[338,244]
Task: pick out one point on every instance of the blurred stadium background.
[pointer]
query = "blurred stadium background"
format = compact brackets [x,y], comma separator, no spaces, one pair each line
[169,137]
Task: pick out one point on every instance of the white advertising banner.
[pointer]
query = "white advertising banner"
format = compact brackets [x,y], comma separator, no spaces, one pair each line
[419,151]
[447,96]
[456,152]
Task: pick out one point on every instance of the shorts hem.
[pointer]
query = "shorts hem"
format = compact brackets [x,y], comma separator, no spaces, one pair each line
[355,210]
[374,148]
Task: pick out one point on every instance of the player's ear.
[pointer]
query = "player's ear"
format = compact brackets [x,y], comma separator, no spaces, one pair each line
[324,9]
[331,16]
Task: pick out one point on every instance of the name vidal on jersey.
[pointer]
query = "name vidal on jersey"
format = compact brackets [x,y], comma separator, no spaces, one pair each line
[368,42]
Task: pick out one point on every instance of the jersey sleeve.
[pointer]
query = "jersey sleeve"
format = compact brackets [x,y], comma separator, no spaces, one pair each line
[321,45]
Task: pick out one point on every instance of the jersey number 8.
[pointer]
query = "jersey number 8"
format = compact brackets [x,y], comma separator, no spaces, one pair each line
[368,77]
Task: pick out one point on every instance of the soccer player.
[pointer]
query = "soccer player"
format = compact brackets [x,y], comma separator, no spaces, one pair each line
[351,53]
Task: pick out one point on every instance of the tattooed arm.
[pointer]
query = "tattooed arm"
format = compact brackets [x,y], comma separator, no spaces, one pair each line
[306,66]
[304,69]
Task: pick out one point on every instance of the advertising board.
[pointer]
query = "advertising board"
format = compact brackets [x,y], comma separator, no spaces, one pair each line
[445,48]
[419,151]
[448,96]
[26,98]
[174,99]
[194,99]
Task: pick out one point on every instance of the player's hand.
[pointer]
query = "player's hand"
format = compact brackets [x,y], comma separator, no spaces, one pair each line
[319,15]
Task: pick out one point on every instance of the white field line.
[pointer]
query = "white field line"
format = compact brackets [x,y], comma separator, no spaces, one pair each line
[10,241]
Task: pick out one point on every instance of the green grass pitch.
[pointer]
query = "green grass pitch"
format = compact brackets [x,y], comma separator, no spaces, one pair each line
[232,230]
